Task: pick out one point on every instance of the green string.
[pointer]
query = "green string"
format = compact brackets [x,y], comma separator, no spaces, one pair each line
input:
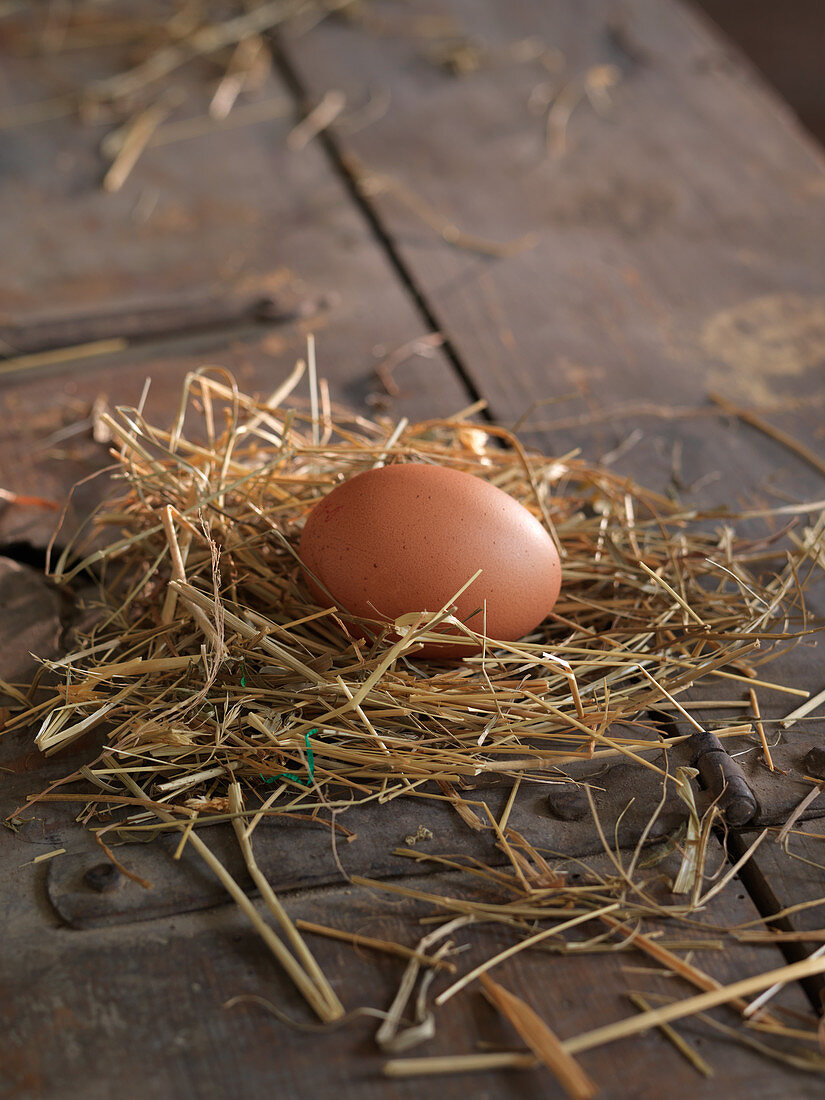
[295,778]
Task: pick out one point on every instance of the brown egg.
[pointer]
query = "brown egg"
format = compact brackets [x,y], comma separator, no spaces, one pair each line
[403,539]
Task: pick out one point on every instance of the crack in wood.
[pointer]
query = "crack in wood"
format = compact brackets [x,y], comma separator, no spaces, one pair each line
[338,161]
[768,904]
[151,321]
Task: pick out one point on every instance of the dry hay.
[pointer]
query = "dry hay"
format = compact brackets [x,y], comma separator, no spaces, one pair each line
[224,693]
[221,693]
[209,651]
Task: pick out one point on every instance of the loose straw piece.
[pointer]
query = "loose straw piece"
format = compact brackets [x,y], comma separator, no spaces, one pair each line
[313,389]
[178,556]
[673,1037]
[671,700]
[48,855]
[388,947]
[541,1040]
[305,985]
[334,1007]
[391,1035]
[58,356]
[800,712]
[610,1033]
[672,591]
[760,729]
[770,993]
[459,1063]
[812,795]
[675,963]
[815,935]
[244,61]
[508,953]
[26,501]
[318,119]
[135,139]
[636,1025]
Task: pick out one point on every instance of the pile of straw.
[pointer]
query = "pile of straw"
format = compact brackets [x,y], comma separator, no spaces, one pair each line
[209,654]
[223,692]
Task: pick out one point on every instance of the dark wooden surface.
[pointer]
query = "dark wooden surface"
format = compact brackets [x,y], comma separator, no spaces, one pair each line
[678,248]
[786,883]
[232,216]
[144,1004]
[671,257]
[786,46]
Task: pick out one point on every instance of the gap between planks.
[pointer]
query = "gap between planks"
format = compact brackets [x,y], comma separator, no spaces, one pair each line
[338,162]
[767,904]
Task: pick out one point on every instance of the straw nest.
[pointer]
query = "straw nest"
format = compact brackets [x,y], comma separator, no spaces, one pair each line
[223,692]
[209,654]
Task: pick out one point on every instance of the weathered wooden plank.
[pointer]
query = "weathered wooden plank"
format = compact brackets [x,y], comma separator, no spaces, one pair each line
[214,956]
[299,854]
[72,1030]
[677,229]
[103,1027]
[46,426]
[231,209]
[31,621]
[200,225]
[787,875]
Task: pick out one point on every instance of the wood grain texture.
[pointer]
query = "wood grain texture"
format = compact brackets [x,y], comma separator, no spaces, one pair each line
[233,214]
[788,876]
[680,248]
[46,434]
[144,1004]
[678,235]
[229,210]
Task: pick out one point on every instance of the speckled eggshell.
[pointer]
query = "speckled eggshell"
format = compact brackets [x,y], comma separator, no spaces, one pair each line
[405,538]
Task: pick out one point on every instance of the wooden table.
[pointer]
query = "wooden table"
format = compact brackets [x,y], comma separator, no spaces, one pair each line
[594,270]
